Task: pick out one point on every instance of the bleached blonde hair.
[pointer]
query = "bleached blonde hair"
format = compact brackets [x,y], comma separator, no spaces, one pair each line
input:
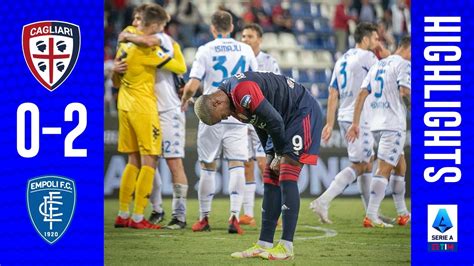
[202,108]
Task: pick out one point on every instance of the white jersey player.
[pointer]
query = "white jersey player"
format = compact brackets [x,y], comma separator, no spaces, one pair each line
[172,121]
[388,81]
[349,72]
[266,62]
[215,61]
[252,35]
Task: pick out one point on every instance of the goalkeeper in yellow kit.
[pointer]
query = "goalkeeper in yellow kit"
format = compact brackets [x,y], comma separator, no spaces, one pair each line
[139,126]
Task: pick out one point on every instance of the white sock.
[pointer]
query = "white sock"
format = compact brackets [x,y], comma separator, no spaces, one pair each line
[397,184]
[364,187]
[249,198]
[264,244]
[155,197]
[377,193]
[288,244]
[340,182]
[236,189]
[179,201]
[207,188]
[124,215]
[137,217]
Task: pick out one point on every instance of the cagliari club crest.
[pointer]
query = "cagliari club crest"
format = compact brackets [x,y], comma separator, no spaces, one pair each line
[51,203]
[51,49]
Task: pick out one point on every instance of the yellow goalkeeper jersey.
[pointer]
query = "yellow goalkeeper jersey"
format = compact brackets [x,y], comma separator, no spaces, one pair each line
[136,93]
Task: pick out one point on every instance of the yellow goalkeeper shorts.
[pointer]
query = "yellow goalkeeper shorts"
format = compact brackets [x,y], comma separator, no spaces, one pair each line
[139,132]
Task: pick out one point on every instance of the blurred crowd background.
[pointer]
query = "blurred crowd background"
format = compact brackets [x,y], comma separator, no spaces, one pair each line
[305,36]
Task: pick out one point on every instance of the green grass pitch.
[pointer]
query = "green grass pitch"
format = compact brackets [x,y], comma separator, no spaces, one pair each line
[345,242]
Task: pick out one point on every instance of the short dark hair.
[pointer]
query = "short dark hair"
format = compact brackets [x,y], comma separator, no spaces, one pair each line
[222,21]
[153,13]
[362,30]
[255,27]
[405,42]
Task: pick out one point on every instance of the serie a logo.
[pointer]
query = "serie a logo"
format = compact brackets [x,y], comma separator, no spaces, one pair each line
[442,227]
[51,202]
[51,49]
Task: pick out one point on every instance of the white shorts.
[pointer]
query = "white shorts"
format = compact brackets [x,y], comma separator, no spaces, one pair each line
[173,125]
[362,148]
[255,147]
[390,145]
[231,139]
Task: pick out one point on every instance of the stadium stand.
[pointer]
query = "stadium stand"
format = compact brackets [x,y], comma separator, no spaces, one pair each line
[307,53]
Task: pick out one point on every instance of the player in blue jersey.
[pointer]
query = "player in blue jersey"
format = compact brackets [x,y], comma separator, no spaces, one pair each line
[252,35]
[283,110]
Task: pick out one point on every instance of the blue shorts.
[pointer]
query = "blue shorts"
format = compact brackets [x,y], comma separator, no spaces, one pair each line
[303,133]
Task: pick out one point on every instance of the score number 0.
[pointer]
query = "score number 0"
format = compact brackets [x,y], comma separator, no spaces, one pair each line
[69,151]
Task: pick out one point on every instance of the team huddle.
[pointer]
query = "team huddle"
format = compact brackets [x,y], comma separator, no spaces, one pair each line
[247,112]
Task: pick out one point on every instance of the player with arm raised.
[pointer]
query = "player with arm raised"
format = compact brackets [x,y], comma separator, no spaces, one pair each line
[215,61]
[172,121]
[349,72]
[284,110]
[139,127]
[389,82]
[252,35]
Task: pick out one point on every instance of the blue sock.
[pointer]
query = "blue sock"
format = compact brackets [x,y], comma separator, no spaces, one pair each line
[290,208]
[271,209]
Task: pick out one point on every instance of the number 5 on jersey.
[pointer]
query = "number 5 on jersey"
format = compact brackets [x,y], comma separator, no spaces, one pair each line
[379,78]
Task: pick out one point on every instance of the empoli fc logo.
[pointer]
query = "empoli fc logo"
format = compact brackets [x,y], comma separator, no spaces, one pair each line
[51,202]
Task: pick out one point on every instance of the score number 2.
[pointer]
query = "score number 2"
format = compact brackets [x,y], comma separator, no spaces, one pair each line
[69,151]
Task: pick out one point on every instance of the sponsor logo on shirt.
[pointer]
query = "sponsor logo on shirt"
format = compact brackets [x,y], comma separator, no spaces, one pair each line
[245,102]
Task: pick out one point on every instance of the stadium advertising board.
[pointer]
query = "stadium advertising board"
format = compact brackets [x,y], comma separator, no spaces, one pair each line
[313,180]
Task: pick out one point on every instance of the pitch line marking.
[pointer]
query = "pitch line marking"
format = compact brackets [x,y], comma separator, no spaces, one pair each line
[166,236]
[327,233]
